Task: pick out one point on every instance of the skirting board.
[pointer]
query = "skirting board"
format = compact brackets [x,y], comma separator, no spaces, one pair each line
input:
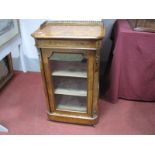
[17,64]
[30,64]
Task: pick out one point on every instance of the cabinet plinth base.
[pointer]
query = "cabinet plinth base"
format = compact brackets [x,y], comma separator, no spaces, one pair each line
[72,119]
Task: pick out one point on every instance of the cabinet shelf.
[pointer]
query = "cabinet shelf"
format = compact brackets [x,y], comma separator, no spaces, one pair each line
[71,92]
[69,73]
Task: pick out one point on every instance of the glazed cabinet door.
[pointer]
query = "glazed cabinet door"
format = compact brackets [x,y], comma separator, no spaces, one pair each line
[69,77]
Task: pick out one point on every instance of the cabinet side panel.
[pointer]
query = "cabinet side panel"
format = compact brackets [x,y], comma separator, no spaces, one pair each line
[96,93]
[96,78]
[46,53]
[44,79]
[90,82]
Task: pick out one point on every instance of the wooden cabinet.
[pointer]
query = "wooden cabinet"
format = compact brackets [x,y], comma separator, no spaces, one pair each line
[6,70]
[69,58]
[147,25]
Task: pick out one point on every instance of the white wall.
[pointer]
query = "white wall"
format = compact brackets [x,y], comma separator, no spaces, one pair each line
[13,47]
[29,52]
[27,27]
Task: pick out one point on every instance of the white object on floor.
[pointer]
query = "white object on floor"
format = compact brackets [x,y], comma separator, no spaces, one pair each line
[3,129]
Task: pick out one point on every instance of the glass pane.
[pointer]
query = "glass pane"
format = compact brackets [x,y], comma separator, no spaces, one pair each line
[71,65]
[66,57]
[70,86]
[69,72]
[70,69]
[71,103]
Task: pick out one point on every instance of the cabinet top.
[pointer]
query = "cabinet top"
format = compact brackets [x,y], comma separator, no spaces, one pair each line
[70,30]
